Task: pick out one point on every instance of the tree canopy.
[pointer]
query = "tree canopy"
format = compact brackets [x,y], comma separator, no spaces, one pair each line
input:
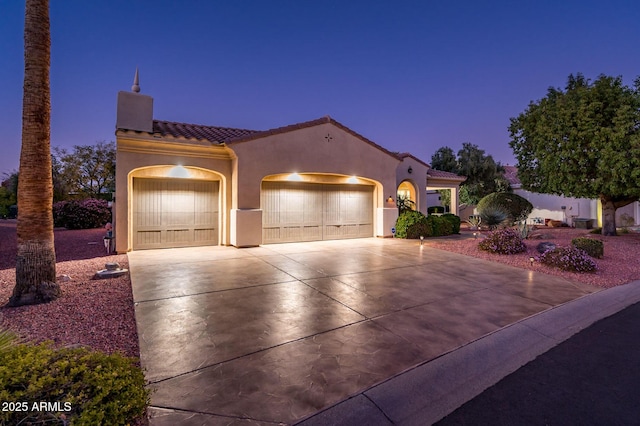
[583,141]
[89,171]
[484,175]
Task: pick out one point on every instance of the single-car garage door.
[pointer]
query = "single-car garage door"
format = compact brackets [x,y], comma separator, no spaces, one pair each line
[174,213]
[298,211]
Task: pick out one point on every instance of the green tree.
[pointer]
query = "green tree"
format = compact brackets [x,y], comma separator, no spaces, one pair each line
[484,175]
[36,258]
[89,171]
[444,159]
[583,141]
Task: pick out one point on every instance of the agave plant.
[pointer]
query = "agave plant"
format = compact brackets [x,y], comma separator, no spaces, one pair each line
[475,221]
[493,217]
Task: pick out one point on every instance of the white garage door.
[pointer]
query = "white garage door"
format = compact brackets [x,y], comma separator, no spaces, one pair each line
[174,213]
[297,211]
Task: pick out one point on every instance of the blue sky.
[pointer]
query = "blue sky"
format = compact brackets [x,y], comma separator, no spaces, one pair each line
[410,75]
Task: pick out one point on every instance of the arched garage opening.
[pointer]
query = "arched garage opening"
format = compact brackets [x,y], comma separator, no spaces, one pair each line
[175,206]
[314,207]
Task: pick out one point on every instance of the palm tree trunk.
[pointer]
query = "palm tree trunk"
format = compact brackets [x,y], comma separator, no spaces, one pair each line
[36,260]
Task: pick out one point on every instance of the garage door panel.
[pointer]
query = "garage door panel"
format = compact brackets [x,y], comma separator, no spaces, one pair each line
[297,211]
[174,213]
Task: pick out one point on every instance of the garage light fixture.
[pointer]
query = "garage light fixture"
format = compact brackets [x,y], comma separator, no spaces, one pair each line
[179,172]
[294,177]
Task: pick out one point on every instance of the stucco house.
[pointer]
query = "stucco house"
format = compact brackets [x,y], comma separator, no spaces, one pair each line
[567,209]
[181,184]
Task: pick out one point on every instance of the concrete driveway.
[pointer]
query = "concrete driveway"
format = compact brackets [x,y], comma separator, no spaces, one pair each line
[273,334]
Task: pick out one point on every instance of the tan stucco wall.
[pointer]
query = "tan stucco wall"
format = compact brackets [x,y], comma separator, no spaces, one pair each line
[241,168]
[140,156]
[307,152]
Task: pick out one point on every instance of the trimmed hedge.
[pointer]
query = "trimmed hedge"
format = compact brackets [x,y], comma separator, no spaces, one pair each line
[593,247]
[413,225]
[82,386]
[406,219]
[454,220]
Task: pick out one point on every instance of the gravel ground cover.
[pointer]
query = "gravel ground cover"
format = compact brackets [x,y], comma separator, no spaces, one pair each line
[620,264]
[94,313]
[100,313]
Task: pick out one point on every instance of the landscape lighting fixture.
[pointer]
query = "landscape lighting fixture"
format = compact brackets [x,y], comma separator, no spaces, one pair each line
[531,259]
[421,239]
[475,235]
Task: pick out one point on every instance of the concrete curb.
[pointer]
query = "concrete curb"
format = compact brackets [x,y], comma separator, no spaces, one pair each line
[428,392]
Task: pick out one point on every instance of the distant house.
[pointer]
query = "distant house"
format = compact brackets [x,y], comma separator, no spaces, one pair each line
[567,209]
[180,184]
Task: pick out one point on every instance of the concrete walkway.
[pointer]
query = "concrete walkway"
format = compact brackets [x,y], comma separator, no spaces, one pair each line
[370,330]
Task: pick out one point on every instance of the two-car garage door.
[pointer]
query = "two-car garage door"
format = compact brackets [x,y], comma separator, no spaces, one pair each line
[174,213]
[299,211]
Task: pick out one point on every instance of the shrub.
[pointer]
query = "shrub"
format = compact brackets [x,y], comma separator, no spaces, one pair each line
[596,231]
[591,246]
[91,387]
[493,217]
[429,226]
[406,219]
[420,229]
[454,220]
[514,205]
[504,241]
[81,214]
[569,259]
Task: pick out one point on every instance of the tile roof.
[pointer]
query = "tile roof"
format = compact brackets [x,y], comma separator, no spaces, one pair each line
[324,120]
[196,131]
[403,155]
[433,173]
[511,174]
[228,135]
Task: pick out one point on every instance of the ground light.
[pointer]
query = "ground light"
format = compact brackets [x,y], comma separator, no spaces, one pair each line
[421,239]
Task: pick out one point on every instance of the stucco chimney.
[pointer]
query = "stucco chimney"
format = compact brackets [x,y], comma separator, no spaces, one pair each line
[135,111]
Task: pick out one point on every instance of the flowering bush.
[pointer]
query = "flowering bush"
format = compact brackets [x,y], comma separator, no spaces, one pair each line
[569,259]
[503,241]
[81,214]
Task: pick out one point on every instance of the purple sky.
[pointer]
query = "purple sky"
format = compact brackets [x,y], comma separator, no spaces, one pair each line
[410,75]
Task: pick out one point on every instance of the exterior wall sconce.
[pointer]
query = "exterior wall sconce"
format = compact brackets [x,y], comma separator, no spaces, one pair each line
[390,199]
[410,170]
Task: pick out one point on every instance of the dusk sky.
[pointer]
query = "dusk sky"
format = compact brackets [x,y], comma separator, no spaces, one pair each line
[410,75]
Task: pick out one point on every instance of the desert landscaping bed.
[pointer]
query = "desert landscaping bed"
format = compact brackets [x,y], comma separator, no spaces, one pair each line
[620,264]
[100,313]
[94,313]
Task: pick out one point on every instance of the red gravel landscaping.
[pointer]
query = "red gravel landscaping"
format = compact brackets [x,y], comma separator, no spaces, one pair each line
[94,313]
[620,264]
